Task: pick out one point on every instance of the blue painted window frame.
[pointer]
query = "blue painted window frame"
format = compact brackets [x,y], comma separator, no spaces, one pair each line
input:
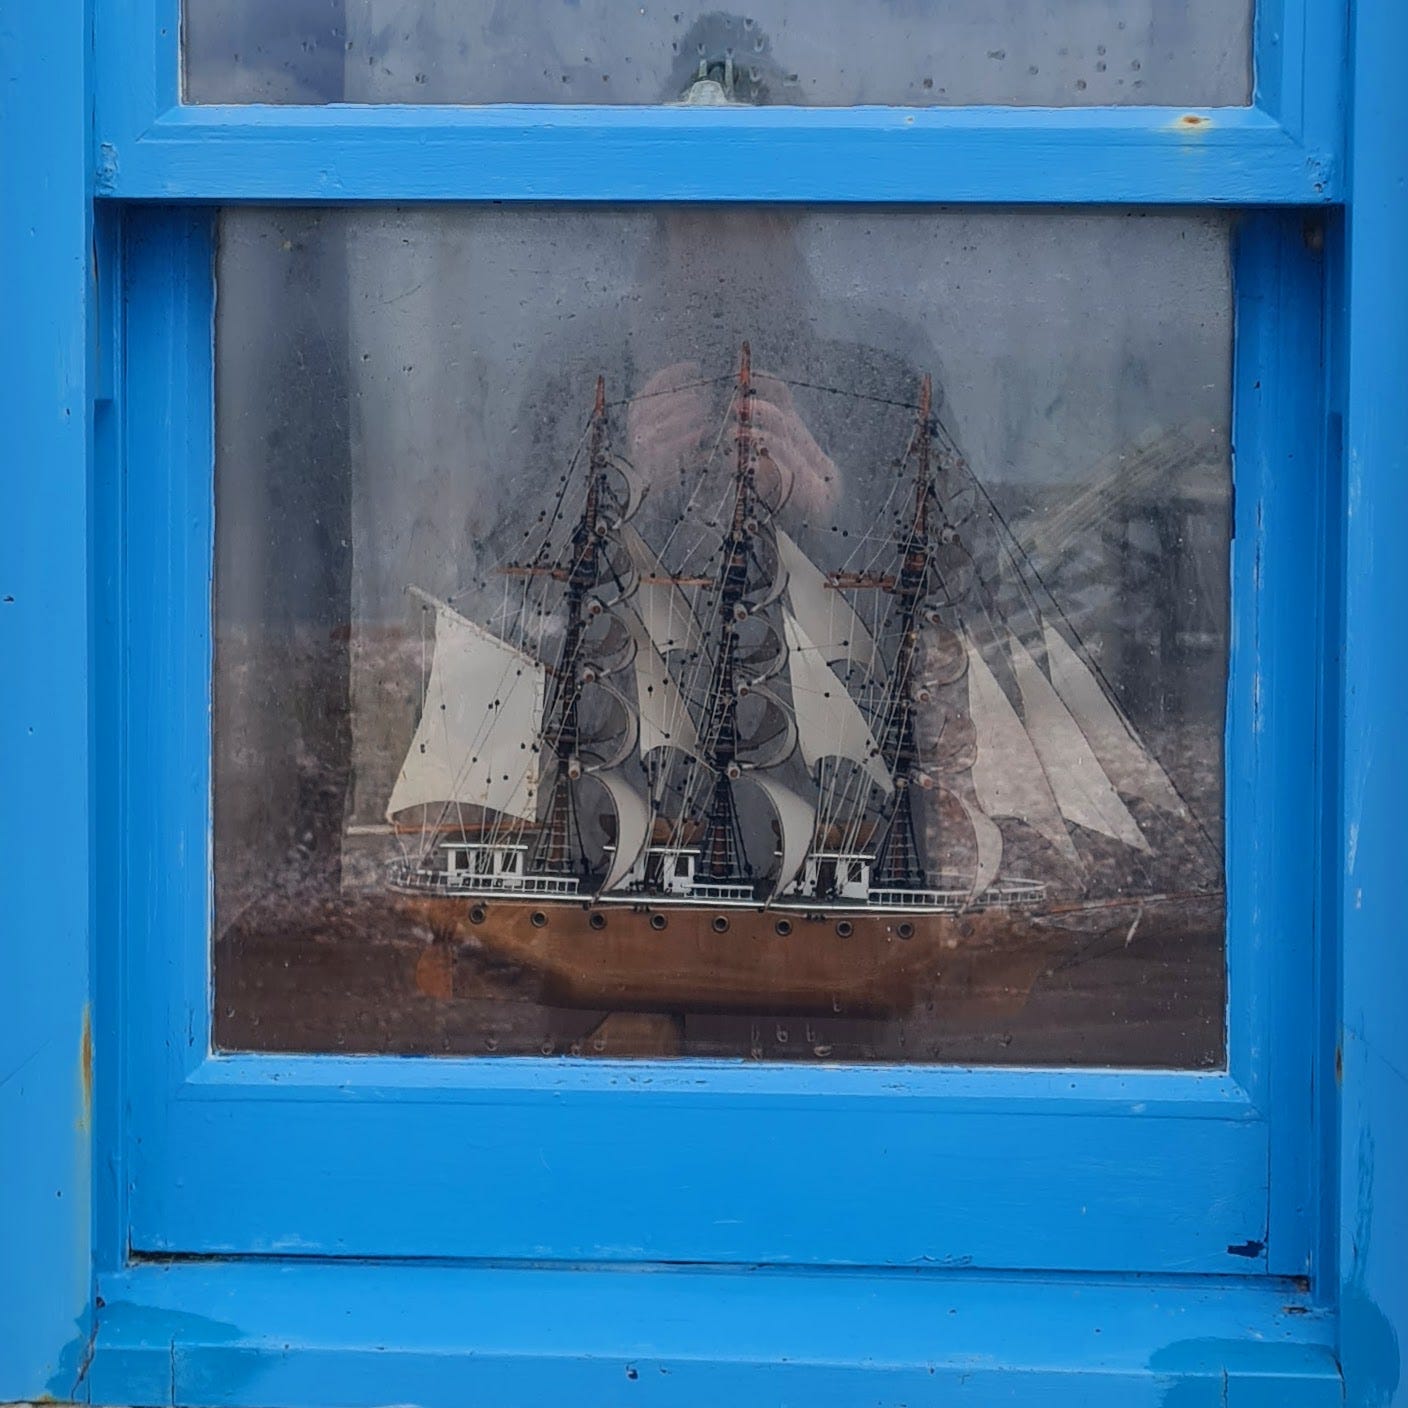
[585,1161]
[1286,155]
[211,1137]
[604,1161]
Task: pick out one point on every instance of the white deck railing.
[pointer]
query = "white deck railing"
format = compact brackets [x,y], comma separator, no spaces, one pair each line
[464,883]
[711,890]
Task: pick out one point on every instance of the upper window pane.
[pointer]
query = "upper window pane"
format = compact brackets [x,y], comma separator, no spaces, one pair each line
[805,53]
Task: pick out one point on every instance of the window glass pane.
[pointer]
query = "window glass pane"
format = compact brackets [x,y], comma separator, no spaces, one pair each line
[722,632]
[809,53]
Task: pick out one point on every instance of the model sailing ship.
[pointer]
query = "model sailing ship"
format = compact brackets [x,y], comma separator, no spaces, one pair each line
[765,757]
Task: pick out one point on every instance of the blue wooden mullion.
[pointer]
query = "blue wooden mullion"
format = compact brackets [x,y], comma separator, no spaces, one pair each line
[1275,732]
[1285,149]
[1300,48]
[1370,1068]
[47,841]
[163,781]
[112,872]
[391,152]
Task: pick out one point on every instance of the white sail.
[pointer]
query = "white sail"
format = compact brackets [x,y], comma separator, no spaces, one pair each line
[826,617]
[989,843]
[1127,763]
[828,722]
[1008,779]
[796,823]
[1083,792]
[662,606]
[665,720]
[478,737]
[632,825]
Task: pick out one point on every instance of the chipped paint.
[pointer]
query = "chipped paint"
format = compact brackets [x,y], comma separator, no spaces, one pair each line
[105,172]
[1250,1249]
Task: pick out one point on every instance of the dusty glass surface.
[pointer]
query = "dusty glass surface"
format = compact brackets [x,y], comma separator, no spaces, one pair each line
[722,632]
[810,53]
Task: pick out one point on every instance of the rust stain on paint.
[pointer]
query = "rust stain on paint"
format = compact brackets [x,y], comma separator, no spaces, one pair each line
[85,1071]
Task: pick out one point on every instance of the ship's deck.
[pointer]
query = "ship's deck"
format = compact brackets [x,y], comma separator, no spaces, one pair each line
[945,899]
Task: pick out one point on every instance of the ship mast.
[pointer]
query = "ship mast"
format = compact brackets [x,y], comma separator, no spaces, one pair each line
[560,850]
[722,849]
[897,861]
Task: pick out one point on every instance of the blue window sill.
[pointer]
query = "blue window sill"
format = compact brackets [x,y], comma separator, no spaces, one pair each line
[261,1333]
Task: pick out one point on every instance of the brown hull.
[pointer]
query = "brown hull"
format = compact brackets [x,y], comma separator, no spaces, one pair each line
[843,962]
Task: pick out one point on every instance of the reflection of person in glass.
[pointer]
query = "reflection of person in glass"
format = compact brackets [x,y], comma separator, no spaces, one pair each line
[834,386]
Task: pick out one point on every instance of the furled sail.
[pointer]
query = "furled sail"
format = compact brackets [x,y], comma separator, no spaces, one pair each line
[663,608]
[635,487]
[1008,779]
[781,737]
[622,739]
[828,722]
[615,584]
[665,720]
[632,825]
[772,589]
[796,823]
[1083,792]
[827,619]
[1127,763]
[478,738]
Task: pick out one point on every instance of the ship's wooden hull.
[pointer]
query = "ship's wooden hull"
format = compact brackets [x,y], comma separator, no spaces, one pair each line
[679,959]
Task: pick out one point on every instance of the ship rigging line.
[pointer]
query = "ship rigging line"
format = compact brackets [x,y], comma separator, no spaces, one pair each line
[845,391]
[837,799]
[672,390]
[894,688]
[1024,563]
[702,661]
[501,829]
